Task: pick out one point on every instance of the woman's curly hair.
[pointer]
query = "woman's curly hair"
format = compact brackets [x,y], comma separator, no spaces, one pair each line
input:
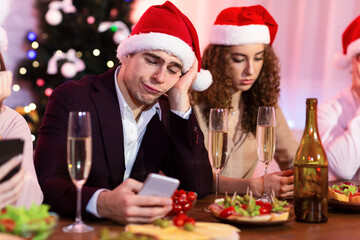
[264,92]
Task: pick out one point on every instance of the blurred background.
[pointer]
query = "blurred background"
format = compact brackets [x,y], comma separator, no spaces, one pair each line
[51,42]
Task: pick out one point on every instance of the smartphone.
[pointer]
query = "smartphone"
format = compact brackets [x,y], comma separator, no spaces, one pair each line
[10,148]
[159,185]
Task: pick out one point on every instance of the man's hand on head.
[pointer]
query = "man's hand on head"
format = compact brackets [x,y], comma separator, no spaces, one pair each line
[179,93]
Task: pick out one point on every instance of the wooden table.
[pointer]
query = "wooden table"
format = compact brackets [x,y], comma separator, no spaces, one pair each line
[339,226]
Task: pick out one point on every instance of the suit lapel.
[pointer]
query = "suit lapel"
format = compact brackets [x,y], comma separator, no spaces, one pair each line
[111,130]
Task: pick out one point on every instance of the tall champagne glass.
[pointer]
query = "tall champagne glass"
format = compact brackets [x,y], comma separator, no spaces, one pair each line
[265,139]
[218,141]
[79,153]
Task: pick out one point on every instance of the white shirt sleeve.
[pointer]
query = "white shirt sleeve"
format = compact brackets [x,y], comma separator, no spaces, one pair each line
[185,115]
[339,126]
[91,207]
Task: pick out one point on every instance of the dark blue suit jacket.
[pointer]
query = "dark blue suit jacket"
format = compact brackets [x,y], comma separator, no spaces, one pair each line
[173,145]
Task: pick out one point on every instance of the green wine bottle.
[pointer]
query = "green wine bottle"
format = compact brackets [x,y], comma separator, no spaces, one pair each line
[311,172]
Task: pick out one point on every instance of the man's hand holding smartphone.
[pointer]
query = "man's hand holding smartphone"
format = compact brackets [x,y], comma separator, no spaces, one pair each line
[136,202]
[159,185]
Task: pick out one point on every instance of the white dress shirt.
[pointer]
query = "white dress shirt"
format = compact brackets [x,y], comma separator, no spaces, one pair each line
[339,128]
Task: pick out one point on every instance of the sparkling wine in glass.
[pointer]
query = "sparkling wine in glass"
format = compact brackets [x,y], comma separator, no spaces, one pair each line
[79,153]
[218,142]
[265,140]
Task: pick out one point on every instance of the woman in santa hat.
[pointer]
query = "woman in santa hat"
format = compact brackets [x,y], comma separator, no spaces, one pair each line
[22,188]
[245,73]
[339,118]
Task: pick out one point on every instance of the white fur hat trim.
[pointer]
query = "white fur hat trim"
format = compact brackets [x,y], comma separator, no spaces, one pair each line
[239,35]
[158,41]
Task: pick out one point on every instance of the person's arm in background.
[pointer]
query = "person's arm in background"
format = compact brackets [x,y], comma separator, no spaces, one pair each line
[13,125]
[11,189]
[18,128]
[339,125]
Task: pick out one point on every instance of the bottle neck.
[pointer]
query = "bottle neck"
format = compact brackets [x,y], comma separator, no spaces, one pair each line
[311,119]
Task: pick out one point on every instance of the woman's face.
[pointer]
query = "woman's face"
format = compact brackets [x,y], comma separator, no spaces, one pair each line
[246,62]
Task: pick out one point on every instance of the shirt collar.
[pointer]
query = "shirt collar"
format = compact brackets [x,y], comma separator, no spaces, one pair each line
[123,104]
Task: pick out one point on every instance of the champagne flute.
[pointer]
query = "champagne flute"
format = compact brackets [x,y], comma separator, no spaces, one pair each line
[265,140]
[79,157]
[218,141]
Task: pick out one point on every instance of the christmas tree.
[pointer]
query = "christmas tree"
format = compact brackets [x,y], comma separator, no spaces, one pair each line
[73,39]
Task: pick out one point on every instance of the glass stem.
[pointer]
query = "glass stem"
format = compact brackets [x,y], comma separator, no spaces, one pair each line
[217,185]
[265,182]
[78,205]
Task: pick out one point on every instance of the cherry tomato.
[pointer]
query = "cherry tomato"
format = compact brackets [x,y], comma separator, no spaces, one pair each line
[179,220]
[259,203]
[244,206]
[227,212]
[182,200]
[182,193]
[9,224]
[176,208]
[191,196]
[267,206]
[264,210]
[187,206]
[190,220]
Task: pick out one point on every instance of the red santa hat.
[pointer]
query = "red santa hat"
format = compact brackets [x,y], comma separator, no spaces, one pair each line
[165,27]
[3,40]
[351,44]
[243,25]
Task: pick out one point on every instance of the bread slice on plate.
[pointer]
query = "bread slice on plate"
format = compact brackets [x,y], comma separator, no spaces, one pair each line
[202,231]
[337,196]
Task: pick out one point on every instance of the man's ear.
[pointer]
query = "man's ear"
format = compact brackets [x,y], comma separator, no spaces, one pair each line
[124,59]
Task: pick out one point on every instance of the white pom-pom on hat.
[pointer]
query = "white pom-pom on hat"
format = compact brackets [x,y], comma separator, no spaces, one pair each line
[341,61]
[3,40]
[203,81]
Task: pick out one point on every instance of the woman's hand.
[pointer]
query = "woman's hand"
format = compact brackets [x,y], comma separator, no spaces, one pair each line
[281,182]
[124,206]
[10,190]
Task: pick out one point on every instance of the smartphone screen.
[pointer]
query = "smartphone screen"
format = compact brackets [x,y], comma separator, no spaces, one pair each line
[159,185]
[10,148]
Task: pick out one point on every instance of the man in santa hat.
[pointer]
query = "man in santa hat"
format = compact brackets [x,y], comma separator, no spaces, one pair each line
[142,123]
[339,118]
